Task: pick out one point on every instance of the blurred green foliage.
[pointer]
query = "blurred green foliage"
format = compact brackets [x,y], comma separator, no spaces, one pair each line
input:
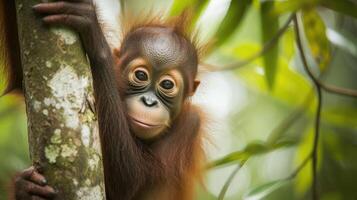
[272,131]
[315,31]
[231,21]
[13,140]
[270,26]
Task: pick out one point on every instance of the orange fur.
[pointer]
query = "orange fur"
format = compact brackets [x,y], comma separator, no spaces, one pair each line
[179,24]
[180,150]
[165,169]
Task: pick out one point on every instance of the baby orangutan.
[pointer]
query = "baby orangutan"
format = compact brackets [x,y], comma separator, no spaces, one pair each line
[151,135]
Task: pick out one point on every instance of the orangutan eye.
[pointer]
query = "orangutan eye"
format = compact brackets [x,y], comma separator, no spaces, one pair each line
[141,75]
[167,84]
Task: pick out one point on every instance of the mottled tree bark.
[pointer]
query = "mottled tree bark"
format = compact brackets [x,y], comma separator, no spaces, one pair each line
[63,130]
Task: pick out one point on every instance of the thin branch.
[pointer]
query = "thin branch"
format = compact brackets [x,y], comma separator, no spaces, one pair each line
[229,180]
[319,85]
[337,90]
[325,86]
[299,168]
[267,46]
[236,170]
[315,194]
[283,126]
[316,143]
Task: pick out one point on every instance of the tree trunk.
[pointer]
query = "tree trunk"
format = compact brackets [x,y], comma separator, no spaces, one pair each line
[63,130]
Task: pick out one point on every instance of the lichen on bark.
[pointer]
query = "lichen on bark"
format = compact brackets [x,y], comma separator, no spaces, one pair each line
[63,130]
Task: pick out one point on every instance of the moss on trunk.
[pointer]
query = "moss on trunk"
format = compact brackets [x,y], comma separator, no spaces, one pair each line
[63,130]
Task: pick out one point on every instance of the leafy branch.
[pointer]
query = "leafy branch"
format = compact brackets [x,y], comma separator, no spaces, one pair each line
[263,190]
[267,46]
[270,145]
[273,184]
[326,87]
[272,142]
[255,149]
[319,85]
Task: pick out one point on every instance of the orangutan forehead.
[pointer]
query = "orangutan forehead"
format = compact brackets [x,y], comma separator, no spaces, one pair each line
[163,48]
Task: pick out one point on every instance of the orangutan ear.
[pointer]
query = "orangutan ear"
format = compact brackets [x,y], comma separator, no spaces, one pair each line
[196,83]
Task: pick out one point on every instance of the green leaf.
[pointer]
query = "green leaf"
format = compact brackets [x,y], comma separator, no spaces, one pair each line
[231,21]
[287,6]
[195,7]
[282,7]
[179,6]
[270,26]
[235,157]
[303,180]
[251,149]
[315,31]
[256,148]
[346,7]
[263,190]
[240,156]
[288,44]
[288,83]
